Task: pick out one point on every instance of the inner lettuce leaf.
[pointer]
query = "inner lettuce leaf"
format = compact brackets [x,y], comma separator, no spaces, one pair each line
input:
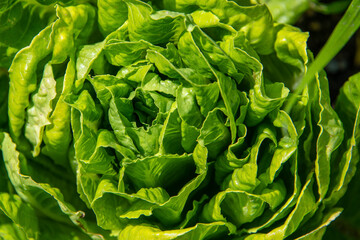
[132,119]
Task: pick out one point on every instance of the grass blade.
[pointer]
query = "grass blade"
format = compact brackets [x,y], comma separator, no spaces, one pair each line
[343,31]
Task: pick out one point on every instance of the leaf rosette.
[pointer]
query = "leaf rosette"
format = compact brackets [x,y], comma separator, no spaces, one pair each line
[165,120]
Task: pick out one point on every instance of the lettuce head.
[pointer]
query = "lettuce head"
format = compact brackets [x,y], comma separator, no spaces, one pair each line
[165,119]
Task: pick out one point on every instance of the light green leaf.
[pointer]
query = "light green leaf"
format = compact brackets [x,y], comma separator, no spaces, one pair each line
[199,231]
[146,25]
[189,135]
[214,135]
[290,46]
[287,11]
[305,204]
[86,57]
[330,136]
[288,205]
[170,135]
[57,134]
[38,114]
[187,106]
[46,199]
[287,145]
[121,53]
[235,156]
[23,81]
[74,25]
[349,101]
[9,230]
[21,21]
[155,171]
[112,14]
[244,178]
[222,207]
[20,213]
[105,84]
[264,98]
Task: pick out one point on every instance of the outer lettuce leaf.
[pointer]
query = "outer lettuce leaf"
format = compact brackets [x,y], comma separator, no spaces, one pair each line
[74,25]
[20,22]
[20,213]
[287,11]
[9,230]
[112,14]
[348,102]
[46,199]
[304,205]
[289,46]
[200,231]
[24,82]
[288,205]
[346,179]
[318,233]
[330,136]
[22,222]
